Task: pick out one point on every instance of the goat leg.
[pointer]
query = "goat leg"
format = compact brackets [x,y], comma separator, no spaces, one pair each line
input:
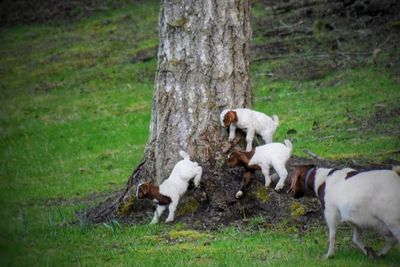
[246,180]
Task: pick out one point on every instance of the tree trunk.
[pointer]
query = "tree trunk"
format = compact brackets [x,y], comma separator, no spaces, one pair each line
[203,68]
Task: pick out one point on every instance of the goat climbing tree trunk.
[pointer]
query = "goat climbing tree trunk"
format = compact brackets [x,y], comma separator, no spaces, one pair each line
[203,68]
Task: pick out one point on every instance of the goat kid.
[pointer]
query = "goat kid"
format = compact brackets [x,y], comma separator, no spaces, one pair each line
[253,122]
[173,188]
[262,157]
[369,199]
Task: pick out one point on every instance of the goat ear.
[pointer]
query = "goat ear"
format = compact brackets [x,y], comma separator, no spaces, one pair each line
[226,119]
[232,116]
[295,179]
[243,157]
[146,187]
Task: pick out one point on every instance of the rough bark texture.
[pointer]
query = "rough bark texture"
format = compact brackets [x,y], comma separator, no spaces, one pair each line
[203,68]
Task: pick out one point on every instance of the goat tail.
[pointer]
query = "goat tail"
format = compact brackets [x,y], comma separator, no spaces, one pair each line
[275,119]
[288,144]
[184,155]
[396,169]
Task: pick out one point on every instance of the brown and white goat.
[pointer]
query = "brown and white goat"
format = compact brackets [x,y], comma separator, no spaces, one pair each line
[262,158]
[172,189]
[369,199]
[253,122]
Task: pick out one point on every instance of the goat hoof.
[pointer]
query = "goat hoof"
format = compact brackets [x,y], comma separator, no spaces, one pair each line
[239,194]
[278,190]
[278,187]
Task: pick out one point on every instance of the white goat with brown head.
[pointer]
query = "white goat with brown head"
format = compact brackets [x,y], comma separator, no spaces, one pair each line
[172,189]
[253,122]
[262,158]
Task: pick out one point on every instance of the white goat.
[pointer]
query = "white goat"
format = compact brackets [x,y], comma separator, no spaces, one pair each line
[176,185]
[253,122]
[263,157]
[368,199]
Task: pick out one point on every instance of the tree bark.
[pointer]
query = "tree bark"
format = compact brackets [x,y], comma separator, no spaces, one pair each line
[203,68]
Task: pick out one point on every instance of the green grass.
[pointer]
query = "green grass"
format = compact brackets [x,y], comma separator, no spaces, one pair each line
[74,115]
[331,116]
[61,244]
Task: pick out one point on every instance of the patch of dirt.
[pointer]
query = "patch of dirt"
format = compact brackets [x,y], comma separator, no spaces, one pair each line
[42,11]
[217,205]
[316,36]
[382,120]
[304,69]
[144,55]
[383,114]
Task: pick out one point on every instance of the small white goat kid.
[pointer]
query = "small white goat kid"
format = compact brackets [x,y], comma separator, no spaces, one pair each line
[273,155]
[368,199]
[176,185]
[263,157]
[253,122]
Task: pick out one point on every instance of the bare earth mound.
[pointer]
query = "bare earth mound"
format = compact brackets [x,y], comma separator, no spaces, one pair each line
[214,204]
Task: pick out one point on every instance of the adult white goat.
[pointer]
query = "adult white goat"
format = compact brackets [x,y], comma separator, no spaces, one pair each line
[369,199]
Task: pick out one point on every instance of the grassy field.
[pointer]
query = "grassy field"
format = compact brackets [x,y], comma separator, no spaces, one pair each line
[74,114]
